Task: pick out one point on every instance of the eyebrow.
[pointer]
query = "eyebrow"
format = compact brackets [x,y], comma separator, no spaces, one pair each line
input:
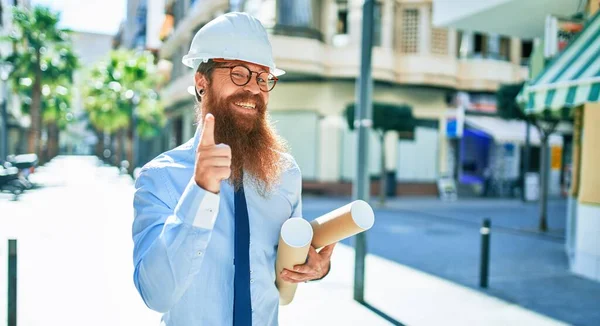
[243,64]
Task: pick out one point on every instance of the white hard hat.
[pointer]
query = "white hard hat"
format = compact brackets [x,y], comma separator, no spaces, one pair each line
[233,36]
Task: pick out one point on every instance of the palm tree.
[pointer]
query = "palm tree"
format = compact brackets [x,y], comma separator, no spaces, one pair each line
[42,60]
[120,87]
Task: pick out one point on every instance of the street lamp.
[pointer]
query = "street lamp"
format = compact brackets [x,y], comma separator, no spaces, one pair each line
[5,70]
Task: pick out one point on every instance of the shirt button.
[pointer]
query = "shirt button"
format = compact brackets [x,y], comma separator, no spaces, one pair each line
[250,271]
[200,253]
[251,280]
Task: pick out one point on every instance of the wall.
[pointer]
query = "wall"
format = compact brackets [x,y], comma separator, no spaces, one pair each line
[310,116]
[587,243]
[594,6]
[417,159]
[587,228]
[154,20]
[301,131]
[332,96]
[589,192]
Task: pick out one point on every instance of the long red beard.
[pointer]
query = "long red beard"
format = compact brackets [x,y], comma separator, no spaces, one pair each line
[255,146]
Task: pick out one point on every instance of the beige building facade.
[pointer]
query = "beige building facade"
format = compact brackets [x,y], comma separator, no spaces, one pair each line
[318,44]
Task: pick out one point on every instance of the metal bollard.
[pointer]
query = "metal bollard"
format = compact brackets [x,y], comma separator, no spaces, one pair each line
[12,282]
[484,264]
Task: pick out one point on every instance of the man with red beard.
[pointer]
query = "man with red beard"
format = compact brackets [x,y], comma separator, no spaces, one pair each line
[208,213]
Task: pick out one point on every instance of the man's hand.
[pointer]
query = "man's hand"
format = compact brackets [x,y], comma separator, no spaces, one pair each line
[315,268]
[213,162]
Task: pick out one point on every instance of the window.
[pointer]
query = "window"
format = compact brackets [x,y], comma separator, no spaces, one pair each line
[505,48]
[439,41]
[526,50]
[409,31]
[341,37]
[479,45]
[341,26]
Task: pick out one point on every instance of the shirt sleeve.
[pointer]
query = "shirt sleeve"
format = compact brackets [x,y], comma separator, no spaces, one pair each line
[297,191]
[170,237]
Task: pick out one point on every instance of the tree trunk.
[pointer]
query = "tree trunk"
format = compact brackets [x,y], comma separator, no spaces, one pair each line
[130,151]
[543,222]
[53,140]
[99,147]
[119,146]
[35,131]
[382,182]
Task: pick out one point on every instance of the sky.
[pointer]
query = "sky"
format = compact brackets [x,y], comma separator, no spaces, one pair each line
[97,16]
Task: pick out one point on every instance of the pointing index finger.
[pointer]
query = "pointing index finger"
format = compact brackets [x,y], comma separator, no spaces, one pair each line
[208,131]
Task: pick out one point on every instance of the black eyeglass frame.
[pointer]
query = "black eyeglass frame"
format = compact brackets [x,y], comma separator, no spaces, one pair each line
[250,72]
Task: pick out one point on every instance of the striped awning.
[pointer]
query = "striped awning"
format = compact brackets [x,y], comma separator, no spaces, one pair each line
[572,79]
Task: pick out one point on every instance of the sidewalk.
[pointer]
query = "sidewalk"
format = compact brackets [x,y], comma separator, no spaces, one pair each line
[75,266]
[407,295]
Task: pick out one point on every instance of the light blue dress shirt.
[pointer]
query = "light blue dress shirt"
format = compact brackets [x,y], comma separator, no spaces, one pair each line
[184,241]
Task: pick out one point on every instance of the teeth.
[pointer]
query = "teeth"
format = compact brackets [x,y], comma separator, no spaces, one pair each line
[246,105]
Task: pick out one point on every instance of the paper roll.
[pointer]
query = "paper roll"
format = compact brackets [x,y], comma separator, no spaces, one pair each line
[294,242]
[342,223]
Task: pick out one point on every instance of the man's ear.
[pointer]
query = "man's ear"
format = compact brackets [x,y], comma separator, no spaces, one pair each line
[201,81]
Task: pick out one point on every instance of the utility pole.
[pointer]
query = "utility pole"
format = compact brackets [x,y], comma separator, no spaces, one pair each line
[363,123]
[526,158]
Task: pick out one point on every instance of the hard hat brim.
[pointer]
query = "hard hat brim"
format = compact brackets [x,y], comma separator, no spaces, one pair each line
[194,61]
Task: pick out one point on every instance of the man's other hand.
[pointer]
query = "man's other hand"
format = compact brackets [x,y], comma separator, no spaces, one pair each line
[316,267]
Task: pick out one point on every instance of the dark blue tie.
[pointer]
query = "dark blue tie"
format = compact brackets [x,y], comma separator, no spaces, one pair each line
[242,306]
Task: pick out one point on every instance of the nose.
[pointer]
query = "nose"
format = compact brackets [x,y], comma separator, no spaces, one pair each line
[252,85]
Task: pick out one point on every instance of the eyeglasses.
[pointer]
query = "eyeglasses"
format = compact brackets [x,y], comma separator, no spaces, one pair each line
[241,75]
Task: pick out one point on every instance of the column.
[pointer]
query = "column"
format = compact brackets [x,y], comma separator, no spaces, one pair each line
[188,125]
[355,21]
[587,247]
[515,51]
[452,43]
[391,151]
[443,148]
[387,24]
[466,44]
[330,15]
[330,130]
[154,20]
[424,29]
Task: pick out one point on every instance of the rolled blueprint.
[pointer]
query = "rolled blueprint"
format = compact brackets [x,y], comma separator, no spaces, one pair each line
[294,242]
[342,223]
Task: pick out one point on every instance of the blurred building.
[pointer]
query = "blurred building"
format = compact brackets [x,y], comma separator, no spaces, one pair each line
[318,44]
[565,82]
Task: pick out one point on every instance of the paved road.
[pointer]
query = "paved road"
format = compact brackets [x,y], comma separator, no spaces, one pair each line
[443,239]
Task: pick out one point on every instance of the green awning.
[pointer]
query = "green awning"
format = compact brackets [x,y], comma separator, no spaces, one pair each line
[572,79]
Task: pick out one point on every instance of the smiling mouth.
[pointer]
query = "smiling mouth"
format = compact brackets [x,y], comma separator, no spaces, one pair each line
[246,105]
